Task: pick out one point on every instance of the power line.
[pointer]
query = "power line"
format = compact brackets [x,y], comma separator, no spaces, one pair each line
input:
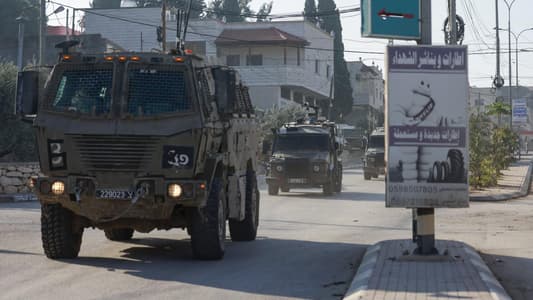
[210,35]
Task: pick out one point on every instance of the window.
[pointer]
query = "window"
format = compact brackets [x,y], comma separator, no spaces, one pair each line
[284,56]
[298,56]
[328,71]
[152,91]
[285,93]
[254,60]
[317,66]
[298,97]
[233,60]
[301,142]
[85,91]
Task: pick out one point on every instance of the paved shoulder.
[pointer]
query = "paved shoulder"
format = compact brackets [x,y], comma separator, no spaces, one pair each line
[389,271]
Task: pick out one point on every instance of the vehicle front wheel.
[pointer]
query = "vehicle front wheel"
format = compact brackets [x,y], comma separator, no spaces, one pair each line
[119,234]
[246,230]
[208,226]
[273,189]
[59,238]
[327,189]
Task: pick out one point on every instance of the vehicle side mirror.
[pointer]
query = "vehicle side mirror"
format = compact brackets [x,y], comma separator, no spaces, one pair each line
[27,97]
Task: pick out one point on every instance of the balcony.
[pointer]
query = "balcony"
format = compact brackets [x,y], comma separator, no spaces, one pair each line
[284,75]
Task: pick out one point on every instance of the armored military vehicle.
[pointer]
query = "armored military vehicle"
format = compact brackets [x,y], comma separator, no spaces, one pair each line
[374,159]
[142,141]
[305,154]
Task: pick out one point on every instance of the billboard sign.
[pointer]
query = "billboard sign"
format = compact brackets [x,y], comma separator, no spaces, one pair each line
[520,111]
[427,126]
[391,19]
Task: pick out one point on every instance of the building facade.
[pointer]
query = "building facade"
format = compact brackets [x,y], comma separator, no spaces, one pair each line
[368,94]
[281,62]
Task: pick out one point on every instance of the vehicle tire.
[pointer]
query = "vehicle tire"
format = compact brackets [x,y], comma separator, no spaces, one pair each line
[208,225]
[246,230]
[445,167]
[285,189]
[338,182]
[273,189]
[457,166]
[119,234]
[57,232]
[437,172]
[367,176]
[327,189]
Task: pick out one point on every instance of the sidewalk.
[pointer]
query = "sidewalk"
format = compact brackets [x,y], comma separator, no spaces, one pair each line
[513,184]
[388,271]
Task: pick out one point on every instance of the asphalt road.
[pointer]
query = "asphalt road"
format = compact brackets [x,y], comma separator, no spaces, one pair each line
[308,247]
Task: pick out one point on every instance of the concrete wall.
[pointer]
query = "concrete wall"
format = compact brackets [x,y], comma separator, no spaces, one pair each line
[15,177]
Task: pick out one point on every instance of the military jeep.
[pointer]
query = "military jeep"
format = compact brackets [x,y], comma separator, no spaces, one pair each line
[305,155]
[374,159]
[142,141]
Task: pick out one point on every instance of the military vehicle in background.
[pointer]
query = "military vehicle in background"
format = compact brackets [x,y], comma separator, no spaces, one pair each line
[305,154]
[142,141]
[374,157]
[353,138]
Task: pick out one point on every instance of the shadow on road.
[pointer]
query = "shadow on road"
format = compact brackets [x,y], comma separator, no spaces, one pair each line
[351,196]
[288,268]
[514,273]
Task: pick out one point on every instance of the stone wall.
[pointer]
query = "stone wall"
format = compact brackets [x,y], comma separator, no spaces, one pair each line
[15,177]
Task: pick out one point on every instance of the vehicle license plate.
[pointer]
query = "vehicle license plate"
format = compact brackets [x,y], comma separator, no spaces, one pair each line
[297,180]
[114,194]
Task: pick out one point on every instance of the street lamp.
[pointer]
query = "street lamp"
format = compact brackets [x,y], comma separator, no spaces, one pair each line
[516,38]
[509,6]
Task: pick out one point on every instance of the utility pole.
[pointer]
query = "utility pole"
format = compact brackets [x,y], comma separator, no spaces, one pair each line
[164,26]
[66,27]
[452,21]
[424,218]
[42,32]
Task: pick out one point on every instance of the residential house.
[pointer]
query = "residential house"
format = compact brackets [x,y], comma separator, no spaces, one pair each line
[281,62]
[368,95]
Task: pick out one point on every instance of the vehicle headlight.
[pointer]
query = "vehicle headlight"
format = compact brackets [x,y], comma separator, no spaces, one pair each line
[58,188]
[316,168]
[174,190]
[279,168]
[56,154]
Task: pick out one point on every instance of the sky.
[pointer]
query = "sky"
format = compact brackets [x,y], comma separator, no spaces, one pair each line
[479,16]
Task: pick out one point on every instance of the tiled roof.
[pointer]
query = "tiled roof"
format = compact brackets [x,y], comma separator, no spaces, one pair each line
[270,35]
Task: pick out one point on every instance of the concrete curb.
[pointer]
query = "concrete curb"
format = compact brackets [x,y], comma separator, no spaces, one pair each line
[524,190]
[364,272]
[360,282]
[495,288]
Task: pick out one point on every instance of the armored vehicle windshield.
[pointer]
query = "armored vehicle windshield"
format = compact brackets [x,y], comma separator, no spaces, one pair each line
[301,142]
[377,141]
[99,89]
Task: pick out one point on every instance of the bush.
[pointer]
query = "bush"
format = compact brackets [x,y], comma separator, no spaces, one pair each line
[17,138]
[491,150]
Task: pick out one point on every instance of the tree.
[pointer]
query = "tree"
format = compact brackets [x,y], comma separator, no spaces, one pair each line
[237,10]
[498,108]
[342,100]
[310,11]
[197,6]
[264,11]
[11,10]
[18,141]
[105,3]
[232,10]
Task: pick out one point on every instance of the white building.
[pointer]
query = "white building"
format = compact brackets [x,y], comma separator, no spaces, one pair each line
[368,94]
[281,62]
